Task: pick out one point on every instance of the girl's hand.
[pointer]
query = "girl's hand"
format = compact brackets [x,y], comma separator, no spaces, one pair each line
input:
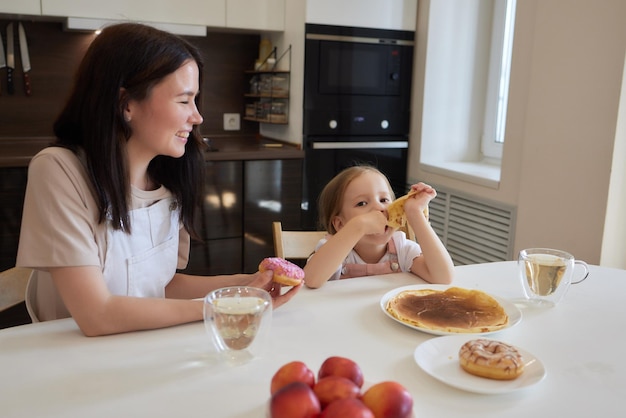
[419,201]
[371,223]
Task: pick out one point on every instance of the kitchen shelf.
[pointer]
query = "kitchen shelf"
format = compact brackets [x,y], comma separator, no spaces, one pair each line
[268,99]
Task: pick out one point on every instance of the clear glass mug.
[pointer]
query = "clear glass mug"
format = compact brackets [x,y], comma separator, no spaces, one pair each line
[546,274]
[238,320]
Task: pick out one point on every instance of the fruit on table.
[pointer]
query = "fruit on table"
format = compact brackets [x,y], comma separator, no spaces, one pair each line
[296,400]
[389,400]
[337,393]
[295,371]
[347,408]
[341,366]
[332,388]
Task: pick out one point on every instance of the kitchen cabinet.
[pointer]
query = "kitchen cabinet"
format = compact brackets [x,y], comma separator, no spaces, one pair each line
[379,14]
[258,14]
[191,12]
[12,190]
[241,200]
[27,7]
[219,222]
[272,192]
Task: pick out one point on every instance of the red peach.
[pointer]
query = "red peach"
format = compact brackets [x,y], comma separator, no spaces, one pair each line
[332,388]
[347,408]
[295,371]
[389,400]
[296,400]
[341,366]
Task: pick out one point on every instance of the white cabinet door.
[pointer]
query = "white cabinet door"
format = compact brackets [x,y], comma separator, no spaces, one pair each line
[256,14]
[380,14]
[190,12]
[27,7]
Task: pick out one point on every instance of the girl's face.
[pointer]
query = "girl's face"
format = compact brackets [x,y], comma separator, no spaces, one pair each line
[162,122]
[365,193]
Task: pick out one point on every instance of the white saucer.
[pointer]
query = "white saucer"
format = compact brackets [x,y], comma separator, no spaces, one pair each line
[439,357]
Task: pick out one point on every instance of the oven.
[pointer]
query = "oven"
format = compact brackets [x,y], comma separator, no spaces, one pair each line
[357,91]
[325,157]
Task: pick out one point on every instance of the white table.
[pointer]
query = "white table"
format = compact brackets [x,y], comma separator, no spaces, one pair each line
[51,369]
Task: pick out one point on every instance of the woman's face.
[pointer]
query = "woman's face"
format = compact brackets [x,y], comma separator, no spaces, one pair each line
[162,122]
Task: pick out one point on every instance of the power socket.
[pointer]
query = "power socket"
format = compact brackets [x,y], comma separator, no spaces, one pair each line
[232,122]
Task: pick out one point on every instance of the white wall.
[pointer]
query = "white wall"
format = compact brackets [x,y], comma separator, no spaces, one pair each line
[568,61]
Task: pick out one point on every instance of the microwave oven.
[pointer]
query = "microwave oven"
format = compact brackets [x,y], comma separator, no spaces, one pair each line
[357,81]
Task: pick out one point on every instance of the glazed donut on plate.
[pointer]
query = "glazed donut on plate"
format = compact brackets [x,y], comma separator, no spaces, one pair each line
[491,359]
[285,272]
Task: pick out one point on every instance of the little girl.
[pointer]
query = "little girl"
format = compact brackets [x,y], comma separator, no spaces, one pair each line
[353,210]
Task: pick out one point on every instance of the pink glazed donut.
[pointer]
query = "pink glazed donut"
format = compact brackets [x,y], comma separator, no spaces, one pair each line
[285,272]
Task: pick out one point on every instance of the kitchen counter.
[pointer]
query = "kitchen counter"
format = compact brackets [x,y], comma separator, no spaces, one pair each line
[17,152]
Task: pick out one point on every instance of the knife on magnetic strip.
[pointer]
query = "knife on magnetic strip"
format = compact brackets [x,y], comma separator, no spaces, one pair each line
[25,58]
[10,58]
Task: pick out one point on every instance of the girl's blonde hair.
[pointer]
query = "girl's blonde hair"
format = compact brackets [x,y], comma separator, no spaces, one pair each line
[331,197]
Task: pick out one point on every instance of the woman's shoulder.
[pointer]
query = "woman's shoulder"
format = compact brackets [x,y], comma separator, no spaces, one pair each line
[55,155]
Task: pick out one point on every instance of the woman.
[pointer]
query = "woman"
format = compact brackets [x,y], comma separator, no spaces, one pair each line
[109,209]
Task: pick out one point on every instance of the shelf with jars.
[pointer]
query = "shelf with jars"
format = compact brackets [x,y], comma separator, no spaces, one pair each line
[268,97]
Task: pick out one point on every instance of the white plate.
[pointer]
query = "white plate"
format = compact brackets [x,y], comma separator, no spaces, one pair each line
[439,357]
[515,315]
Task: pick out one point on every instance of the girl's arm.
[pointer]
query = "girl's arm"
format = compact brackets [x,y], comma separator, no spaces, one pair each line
[321,265]
[435,264]
[98,312]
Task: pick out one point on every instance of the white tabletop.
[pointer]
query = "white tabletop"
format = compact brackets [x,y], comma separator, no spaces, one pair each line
[51,369]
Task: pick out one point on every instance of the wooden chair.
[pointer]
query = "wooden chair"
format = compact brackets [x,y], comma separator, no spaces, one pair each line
[408,231]
[13,286]
[295,244]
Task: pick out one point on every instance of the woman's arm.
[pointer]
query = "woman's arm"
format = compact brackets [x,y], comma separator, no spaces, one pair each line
[98,312]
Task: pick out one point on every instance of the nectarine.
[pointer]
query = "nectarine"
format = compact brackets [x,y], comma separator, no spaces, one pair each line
[295,371]
[296,400]
[341,366]
[389,400]
[332,388]
[347,408]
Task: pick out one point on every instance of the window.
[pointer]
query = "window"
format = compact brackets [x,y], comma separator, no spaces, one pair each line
[467,65]
[498,79]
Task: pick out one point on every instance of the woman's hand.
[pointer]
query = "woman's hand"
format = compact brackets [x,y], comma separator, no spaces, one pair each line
[264,281]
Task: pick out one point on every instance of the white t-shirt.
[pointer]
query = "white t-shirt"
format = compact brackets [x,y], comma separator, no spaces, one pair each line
[406,251]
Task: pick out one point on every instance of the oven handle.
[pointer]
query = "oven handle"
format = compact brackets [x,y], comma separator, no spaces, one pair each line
[360,145]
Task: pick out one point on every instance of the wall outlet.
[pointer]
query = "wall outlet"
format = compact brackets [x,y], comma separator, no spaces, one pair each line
[232,122]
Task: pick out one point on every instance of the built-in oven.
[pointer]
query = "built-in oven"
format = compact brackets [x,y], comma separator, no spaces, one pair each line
[357,92]
[357,81]
[325,157]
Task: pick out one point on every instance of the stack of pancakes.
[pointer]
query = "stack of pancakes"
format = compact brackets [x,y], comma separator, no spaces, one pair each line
[452,310]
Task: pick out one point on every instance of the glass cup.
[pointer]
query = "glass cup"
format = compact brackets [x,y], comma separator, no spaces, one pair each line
[546,274]
[238,320]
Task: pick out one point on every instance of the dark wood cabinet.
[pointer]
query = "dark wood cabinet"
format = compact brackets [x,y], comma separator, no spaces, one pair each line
[12,189]
[272,192]
[219,222]
[241,200]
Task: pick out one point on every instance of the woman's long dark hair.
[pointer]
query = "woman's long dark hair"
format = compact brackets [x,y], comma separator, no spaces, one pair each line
[132,58]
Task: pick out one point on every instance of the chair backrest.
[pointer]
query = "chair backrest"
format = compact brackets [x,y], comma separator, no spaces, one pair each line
[295,244]
[13,286]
